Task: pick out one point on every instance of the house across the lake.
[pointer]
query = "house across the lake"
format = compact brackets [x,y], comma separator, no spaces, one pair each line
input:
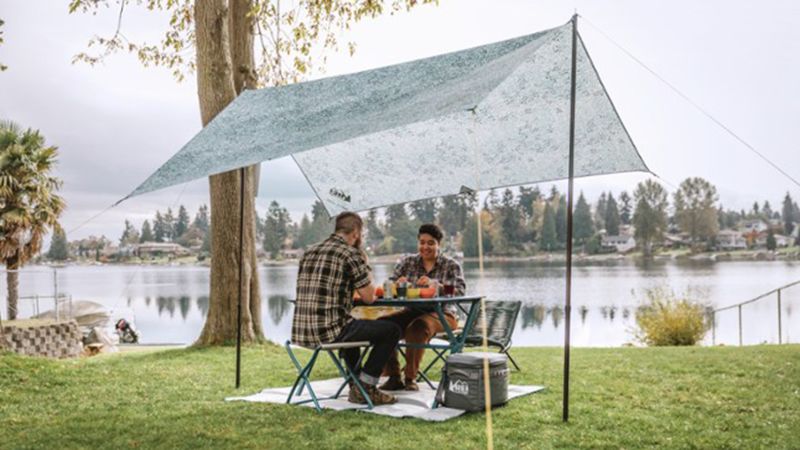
[156,249]
[731,240]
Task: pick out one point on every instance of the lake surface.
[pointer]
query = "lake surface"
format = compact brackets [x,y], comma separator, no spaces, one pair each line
[169,304]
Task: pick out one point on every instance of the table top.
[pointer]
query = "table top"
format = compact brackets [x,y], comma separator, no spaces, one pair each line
[420,301]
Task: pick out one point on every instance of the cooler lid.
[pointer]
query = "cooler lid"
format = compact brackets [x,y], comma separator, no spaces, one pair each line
[475,359]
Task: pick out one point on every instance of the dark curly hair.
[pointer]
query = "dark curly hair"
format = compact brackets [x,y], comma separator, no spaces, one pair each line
[433,230]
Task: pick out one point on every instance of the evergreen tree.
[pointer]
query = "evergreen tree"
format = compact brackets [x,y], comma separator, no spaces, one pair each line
[584,228]
[771,242]
[59,249]
[169,225]
[454,212]
[470,238]
[549,238]
[554,196]
[130,235]
[756,214]
[510,219]
[527,198]
[304,233]
[561,220]
[321,224]
[789,219]
[276,228]
[201,219]
[424,211]
[766,211]
[612,219]
[492,201]
[626,208]
[374,233]
[400,227]
[182,223]
[159,228]
[147,233]
[600,212]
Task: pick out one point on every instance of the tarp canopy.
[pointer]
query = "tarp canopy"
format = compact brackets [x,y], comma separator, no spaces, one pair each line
[491,116]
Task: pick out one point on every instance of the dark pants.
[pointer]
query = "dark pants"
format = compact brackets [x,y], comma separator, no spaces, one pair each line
[381,334]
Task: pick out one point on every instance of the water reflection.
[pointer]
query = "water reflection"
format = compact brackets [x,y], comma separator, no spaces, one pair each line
[278,306]
[279,310]
[170,304]
[202,304]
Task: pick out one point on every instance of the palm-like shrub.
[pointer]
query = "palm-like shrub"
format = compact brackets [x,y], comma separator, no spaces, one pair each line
[29,205]
[668,319]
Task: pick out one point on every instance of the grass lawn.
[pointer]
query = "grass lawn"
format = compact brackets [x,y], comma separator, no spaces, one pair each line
[722,397]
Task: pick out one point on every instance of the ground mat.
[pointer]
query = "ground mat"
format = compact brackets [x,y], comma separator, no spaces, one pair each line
[409,403]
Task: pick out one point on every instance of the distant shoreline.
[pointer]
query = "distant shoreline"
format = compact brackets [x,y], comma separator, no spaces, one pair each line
[791,254]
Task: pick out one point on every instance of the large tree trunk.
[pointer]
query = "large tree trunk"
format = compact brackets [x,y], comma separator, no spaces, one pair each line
[216,89]
[12,281]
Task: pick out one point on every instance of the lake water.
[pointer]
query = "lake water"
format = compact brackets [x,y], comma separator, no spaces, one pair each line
[169,304]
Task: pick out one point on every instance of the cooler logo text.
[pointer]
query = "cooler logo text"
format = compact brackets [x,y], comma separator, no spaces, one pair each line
[459,387]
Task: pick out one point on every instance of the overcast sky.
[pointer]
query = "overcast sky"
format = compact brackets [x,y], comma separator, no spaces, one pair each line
[118,122]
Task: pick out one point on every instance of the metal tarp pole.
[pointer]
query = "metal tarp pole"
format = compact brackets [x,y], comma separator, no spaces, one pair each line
[241,272]
[568,302]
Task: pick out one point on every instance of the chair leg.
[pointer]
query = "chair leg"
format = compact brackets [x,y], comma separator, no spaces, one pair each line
[423,374]
[512,360]
[302,380]
[348,374]
[306,381]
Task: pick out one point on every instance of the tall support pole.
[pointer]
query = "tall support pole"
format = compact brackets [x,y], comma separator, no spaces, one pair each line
[780,331]
[740,325]
[480,240]
[713,328]
[241,281]
[570,195]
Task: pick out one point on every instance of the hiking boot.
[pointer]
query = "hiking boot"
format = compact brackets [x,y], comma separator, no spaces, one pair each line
[411,385]
[354,396]
[375,395]
[393,384]
[379,397]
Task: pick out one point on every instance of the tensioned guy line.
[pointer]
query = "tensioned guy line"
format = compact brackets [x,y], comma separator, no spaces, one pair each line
[692,102]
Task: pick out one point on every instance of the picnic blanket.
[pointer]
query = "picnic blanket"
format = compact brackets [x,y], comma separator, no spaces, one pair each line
[409,403]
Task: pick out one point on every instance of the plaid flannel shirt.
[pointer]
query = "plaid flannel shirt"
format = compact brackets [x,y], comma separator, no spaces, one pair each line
[329,274]
[444,269]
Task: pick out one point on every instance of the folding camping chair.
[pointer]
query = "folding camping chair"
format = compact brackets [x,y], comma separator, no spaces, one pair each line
[501,319]
[304,372]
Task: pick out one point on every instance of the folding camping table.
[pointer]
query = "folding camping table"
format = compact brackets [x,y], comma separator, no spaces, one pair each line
[469,305]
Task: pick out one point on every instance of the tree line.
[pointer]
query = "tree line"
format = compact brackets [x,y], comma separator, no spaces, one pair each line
[514,222]
[527,220]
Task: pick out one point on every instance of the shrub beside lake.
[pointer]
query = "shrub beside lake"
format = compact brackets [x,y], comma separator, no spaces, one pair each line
[668,319]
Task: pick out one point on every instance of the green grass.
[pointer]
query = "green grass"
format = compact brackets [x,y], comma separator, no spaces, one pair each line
[691,397]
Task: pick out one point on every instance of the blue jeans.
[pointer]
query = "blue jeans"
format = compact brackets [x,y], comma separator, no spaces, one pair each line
[383,336]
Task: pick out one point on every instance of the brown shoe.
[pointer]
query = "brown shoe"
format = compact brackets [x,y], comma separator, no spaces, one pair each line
[393,384]
[379,397]
[411,385]
[354,396]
